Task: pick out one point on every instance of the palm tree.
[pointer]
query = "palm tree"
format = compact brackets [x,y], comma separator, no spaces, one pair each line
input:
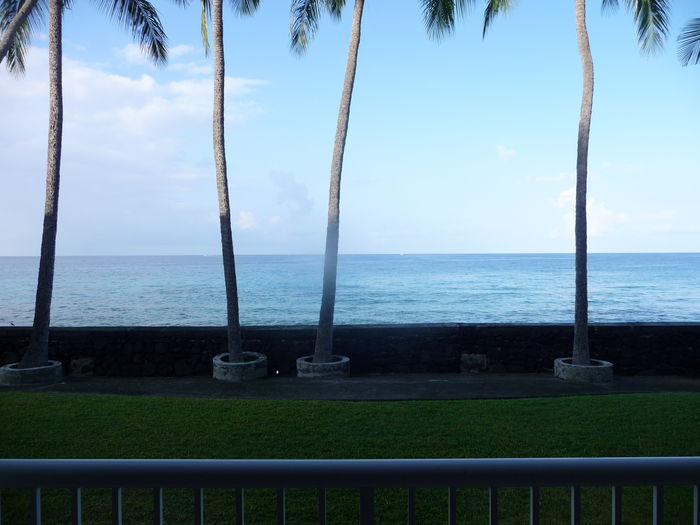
[305,15]
[142,18]
[651,18]
[689,43]
[214,11]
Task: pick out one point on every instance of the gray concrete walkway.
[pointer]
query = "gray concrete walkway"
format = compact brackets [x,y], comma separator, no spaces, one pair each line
[365,388]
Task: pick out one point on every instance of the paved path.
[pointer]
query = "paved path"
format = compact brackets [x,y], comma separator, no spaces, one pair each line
[372,387]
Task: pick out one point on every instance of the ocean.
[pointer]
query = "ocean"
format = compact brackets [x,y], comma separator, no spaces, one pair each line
[286,289]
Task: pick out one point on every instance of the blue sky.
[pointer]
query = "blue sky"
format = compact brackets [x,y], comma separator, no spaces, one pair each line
[461,146]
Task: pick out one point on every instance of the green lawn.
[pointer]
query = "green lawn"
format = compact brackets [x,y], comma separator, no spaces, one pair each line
[101,426]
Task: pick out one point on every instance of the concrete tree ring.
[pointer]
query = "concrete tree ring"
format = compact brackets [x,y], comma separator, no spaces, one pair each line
[597,372]
[253,366]
[339,366]
[47,374]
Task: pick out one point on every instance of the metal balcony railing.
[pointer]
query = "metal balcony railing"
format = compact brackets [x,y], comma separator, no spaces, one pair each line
[365,475]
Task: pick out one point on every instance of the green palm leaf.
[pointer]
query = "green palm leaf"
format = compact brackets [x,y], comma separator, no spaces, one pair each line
[493,9]
[304,23]
[651,18]
[206,21]
[245,7]
[689,43]
[22,39]
[304,20]
[440,15]
[142,19]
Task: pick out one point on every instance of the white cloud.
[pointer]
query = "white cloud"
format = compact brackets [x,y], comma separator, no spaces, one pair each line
[192,69]
[132,54]
[664,214]
[246,220]
[179,50]
[506,153]
[601,220]
[294,194]
[566,198]
[135,150]
[671,221]
[136,55]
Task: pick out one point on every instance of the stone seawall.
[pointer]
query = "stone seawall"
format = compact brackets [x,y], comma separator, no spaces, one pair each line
[663,348]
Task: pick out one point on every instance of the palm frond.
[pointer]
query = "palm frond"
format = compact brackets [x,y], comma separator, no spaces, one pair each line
[651,19]
[142,19]
[440,16]
[610,5]
[303,24]
[245,7]
[334,8]
[206,19]
[689,43]
[493,9]
[23,36]
[304,17]
[14,60]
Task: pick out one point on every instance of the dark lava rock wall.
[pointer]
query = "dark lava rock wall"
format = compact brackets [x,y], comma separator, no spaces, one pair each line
[661,349]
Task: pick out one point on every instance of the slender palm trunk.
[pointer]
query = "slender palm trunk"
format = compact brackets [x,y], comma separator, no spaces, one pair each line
[324,336]
[38,352]
[234,327]
[13,27]
[581,355]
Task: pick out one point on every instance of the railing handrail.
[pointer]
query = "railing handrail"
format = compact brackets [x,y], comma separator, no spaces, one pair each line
[353,473]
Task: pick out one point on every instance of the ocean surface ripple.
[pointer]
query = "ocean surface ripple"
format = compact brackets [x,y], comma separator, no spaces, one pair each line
[286,289]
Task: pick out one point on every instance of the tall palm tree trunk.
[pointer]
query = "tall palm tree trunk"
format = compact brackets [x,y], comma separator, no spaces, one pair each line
[38,352]
[13,27]
[324,336]
[581,354]
[234,327]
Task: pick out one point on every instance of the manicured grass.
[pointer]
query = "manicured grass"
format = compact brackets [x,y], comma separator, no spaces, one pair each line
[101,426]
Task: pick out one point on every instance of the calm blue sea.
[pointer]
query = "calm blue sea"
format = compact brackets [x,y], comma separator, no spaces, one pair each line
[286,289]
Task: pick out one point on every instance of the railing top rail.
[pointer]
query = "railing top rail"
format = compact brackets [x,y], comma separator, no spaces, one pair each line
[290,473]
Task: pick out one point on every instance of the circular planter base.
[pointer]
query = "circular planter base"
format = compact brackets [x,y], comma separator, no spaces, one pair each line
[338,367]
[597,372]
[253,366]
[39,375]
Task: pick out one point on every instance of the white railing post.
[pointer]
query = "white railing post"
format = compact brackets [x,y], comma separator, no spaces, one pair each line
[76,501]
[575,505]
[658,505]
[158,506]
[534,505]
[616,505]
[493,505]
[36,506]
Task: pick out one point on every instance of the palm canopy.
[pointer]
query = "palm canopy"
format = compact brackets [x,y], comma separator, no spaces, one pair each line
[139,16]
[439,16]
[689,43]
[650,17]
